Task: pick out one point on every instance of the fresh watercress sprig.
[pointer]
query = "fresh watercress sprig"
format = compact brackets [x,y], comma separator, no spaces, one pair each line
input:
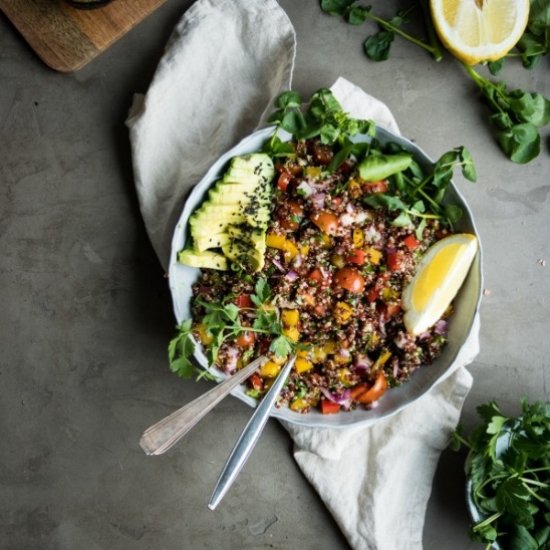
[377,46]
[221,322]
[322,117]
[412,189]
[516,116]
[509,469]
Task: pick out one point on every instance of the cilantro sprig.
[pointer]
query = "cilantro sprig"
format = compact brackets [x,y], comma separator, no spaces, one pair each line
[222,322]
[509,469]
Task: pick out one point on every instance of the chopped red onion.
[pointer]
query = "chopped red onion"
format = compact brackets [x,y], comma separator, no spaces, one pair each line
[346,219]
[344,399]
[441,327]
[304,189]
[318,200]
[278,264]
[291,276]
[363,362]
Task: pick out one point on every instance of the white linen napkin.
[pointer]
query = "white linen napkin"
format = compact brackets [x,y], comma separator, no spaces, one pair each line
[212,88]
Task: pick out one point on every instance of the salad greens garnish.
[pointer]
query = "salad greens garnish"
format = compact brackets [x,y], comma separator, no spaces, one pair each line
[516,115]
[222,322]
[509,469]
[323,117]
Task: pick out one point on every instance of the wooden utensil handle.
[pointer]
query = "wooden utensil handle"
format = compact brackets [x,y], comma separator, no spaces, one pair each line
[167,432]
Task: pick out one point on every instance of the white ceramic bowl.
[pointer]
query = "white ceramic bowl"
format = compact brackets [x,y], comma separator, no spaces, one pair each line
[182,277]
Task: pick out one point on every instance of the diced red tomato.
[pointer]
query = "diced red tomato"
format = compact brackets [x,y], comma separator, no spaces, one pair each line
[374,292]
[380,186]
[327,222]
[316,275]
[411,242]
[283,181]
[357,257]
[320,309]
[291,214]
[329,407]
[256,382]
[349,279]
[395,260]
[244,301]
[357,391]
[378,389]
[245,339]
[391,309]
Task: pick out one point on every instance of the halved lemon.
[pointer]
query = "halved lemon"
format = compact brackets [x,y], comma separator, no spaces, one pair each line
[438,278]
[479,30]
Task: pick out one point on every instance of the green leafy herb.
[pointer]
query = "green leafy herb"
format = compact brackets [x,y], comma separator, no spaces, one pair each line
[377,46]
[412,189]
[323,117]
[509,469]
[516,116]
[180,351]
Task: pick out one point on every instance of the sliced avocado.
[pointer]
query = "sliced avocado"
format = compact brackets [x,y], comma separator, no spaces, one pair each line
[236,214]
[209,259]
[206,242]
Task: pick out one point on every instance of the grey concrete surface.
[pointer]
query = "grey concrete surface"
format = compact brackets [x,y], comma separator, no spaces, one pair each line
[86,315]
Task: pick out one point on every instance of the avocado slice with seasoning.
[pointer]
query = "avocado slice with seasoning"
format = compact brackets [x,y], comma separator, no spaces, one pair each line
[235,215]
[208,259]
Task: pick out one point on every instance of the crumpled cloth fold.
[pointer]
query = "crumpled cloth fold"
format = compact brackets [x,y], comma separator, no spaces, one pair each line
[225,63]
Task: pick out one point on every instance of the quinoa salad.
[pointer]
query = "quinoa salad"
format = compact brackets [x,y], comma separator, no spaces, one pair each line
[336,268]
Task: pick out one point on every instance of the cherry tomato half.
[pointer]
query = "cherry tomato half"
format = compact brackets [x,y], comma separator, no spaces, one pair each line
[244,301]
[316,275]
[327,222]
[380,186]
[245,339]
[349,279]
[329,407]
[378,389]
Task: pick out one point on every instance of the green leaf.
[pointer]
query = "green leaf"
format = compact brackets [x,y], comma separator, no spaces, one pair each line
[281,346]
[329,133]
[453,213]
[531,107]
[336,7]
[356,15]
[379,167]
[521,539]
[180,351]
[377,47]
[521,143]
[293,122]
[381,200]
[495,66]
[468,167]
[402,220]
[288,99]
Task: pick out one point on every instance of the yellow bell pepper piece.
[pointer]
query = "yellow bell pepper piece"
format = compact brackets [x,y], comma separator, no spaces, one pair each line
[269,369]
[204,336]
[290,317]
[382,359]
[342,313]
[313,171]
[373,255]
[292,333]
[344,375]
[280,242]
[303,365]
[358,238]
[354,189]
[299,404]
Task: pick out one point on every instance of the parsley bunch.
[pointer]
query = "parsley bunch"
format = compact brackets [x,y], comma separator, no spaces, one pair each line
[509,470]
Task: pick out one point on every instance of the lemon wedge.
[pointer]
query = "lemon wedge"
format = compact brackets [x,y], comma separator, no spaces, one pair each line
[479,30]
[438,278]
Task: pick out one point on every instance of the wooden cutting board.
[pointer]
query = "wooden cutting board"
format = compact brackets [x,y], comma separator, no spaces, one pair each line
[66,38]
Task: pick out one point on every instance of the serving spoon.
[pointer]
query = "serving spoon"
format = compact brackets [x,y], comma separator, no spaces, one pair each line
[164,434]
[249,437]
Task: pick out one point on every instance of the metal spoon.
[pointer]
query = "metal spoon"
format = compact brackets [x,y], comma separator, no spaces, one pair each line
[248,439]
[167,432]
